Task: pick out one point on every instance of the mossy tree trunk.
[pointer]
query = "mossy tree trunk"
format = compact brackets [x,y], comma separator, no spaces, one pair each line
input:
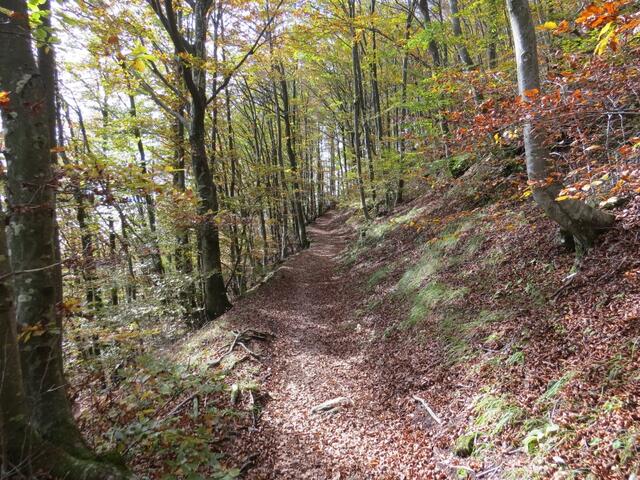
[32,231]
[35,413]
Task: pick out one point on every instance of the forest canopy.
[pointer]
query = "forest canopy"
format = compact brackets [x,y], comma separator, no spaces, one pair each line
[162,159]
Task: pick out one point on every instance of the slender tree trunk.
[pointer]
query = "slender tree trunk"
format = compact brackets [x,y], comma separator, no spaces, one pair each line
[583,222]
[293,164]
[156,257]
[357,113]
[463,53]
[403,108]
[433,46]
[194,77]
[112,252]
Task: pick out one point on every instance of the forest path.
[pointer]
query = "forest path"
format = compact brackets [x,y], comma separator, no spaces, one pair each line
[320,353]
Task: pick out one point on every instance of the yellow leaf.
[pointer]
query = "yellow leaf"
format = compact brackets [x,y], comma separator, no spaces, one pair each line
[4,99]
[138,65]
[607,37]
[548,26]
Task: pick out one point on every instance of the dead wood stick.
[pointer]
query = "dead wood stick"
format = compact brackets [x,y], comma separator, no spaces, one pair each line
[564,286]
[249,351]
[233,344]
[426,406]
[180,405]
[489,471]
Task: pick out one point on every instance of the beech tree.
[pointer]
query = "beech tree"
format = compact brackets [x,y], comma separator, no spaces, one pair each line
[38,429]
[579,220]
[195,81]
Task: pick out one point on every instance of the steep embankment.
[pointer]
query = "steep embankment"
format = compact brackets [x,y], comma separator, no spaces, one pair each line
[459,298]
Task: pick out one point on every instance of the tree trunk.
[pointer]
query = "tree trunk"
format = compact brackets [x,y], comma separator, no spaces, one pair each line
[194,77]
[33,390]
[463,53]
[288,132]
[433,46]
[156,257]
[357,113]
[583,222]
[23,451]
[32,232]
[403,108]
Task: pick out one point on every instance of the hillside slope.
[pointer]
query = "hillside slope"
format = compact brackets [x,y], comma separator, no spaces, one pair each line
[465,301]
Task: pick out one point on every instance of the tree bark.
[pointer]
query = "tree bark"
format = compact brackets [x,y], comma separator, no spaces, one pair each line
[33,390]
[293,163]
[32,230]
[433,46]
[156,257]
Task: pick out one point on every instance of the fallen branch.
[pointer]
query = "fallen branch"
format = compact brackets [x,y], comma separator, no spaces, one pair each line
[426,406]
[240,339]
[489,471]
[332,406]
[568,281]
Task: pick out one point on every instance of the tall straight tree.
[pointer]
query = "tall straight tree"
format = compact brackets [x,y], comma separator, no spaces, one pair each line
[32,233]
[575,217]
[194,77]
[433,46]
[40,414]
[357,106]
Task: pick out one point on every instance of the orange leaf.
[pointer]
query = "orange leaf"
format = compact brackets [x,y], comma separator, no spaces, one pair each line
[533,93]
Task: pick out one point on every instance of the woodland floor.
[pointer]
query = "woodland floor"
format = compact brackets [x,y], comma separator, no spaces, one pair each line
[462,297]
[319,355]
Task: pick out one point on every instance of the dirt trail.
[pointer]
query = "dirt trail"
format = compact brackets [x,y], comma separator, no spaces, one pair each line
[321,353]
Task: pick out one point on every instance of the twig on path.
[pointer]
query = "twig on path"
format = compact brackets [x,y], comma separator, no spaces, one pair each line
[488,471]
[241,338]
[426,406]
[332,406]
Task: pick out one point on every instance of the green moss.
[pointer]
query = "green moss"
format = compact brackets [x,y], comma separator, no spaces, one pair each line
[482,319]
[465,445]
[516,358]
[627,446]
[372,233]
[556,387]
[458,164]
[494,413]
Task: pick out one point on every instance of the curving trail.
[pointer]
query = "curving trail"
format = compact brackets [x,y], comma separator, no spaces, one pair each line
[321,353]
